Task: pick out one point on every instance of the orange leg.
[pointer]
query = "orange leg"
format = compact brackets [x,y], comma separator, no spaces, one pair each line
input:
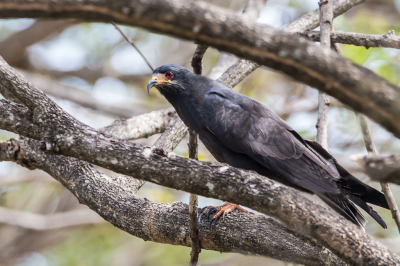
[224,209]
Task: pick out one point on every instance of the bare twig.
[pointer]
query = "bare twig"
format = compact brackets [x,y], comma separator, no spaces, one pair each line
[194,226]
[369,144]
[133,44]
[326,17]
[197,59]
[388,40]
[197,64]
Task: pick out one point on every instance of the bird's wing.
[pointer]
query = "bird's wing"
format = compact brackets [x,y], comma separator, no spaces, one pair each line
[246,126]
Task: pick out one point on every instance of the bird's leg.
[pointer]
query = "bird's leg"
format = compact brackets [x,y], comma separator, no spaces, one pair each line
[224,209]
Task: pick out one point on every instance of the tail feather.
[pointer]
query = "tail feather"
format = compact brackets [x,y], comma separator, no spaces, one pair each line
[354,188]
[342,204]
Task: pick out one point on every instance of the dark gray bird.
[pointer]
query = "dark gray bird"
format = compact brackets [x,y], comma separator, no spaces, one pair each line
[242,132]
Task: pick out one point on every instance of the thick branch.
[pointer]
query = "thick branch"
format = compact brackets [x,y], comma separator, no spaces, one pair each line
[113,199]
[388,40]
[359,87]
[62,134]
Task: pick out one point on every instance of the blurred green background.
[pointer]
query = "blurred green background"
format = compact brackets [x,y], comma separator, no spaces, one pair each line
[93,59]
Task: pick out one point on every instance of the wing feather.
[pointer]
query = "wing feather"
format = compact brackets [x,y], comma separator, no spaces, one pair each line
[246,126]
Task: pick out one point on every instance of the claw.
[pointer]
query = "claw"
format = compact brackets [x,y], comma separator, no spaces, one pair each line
[210,211]
[201,214]
[223,217]
[202,209]
[212,220]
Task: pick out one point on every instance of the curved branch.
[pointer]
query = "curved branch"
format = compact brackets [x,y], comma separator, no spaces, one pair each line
[62,134]
[359,87]
[116,202]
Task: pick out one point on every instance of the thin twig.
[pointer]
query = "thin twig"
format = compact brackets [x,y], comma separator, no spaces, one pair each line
[197,64]
[369,144]
[326,17]
[197,59]
[193,206]
[131,42]
[388,40]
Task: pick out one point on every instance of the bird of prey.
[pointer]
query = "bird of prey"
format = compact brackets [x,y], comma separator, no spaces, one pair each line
[243,133]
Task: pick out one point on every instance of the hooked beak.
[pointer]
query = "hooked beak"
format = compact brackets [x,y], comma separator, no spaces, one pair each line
[157,79]
[150,85]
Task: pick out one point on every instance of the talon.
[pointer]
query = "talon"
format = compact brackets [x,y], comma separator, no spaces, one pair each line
[223,217]
[201,214]
[202,209]
[210,211]
[212,220]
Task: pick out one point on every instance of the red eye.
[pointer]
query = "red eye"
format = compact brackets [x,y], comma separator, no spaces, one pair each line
[169,75]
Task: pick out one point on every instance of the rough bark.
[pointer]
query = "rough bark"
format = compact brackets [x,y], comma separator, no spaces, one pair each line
[193,205]
[354,85]
[114,199]
[388,40]
[62,134]
[142,126]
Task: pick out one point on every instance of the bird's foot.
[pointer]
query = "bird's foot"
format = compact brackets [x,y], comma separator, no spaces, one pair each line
[223,210]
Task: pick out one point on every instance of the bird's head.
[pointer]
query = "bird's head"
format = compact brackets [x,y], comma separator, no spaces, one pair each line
[170,78]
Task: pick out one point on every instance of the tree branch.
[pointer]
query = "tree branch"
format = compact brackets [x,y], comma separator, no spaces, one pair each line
[116,202]
[370,146]
[388,40]
[142,126]
[197,65]
[197,59]
[62,134]
[360,88]
[134,46]
[326,22]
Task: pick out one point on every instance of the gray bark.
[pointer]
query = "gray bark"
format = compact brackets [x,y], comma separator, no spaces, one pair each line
[115,200]
[354,85]
[62,134]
